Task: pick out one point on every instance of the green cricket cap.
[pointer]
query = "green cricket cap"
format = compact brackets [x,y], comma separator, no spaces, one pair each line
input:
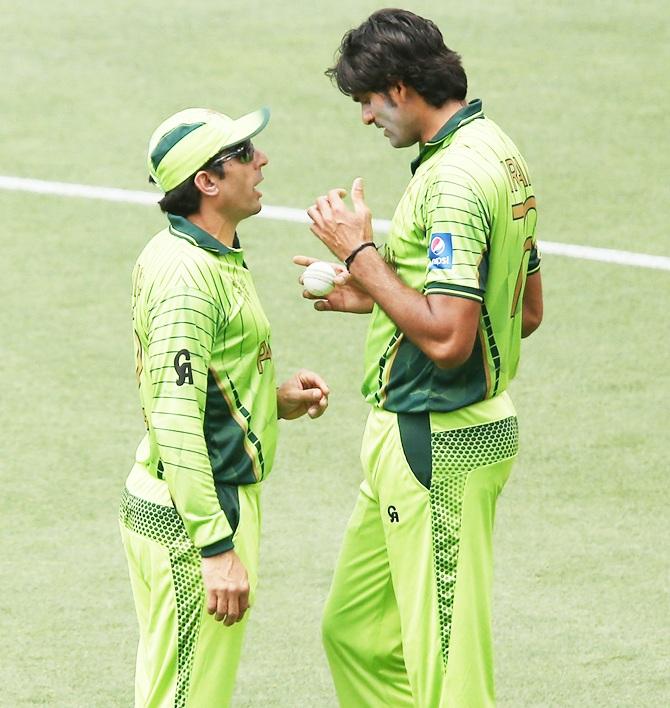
[184,142]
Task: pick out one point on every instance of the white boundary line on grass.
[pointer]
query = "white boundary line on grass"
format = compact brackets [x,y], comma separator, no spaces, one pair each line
[280,213]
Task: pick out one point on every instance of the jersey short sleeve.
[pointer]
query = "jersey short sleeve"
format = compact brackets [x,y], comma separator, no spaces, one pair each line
[456,228]
[181,328]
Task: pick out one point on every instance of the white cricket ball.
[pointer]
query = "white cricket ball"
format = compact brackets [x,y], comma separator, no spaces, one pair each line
[318,278]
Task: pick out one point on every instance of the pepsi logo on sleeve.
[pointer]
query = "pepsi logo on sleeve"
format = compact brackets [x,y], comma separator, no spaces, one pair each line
[440,252]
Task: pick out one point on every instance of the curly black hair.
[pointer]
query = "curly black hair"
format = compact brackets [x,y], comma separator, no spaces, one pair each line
[397,45]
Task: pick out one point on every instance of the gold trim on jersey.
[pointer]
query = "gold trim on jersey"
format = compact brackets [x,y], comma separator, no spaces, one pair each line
[242,421]
[520,210]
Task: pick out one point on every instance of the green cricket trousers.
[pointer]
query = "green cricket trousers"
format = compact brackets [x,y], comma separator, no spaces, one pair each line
[408,618]
[185,658]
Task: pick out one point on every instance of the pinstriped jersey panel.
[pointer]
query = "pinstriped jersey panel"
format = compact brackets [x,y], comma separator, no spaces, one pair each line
[465,228]
[200,332]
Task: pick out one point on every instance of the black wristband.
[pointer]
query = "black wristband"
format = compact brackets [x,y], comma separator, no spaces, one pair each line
[350,258]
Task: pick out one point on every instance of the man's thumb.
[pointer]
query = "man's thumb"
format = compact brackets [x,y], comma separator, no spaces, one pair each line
[357,194]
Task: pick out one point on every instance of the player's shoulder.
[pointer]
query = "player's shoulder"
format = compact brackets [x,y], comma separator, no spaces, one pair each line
[484,143]
[171,265]
[455,169]
[474,159]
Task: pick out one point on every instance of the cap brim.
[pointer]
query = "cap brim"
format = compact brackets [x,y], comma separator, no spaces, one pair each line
[247,126]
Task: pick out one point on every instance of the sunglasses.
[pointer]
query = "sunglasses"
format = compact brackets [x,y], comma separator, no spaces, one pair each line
[244,152]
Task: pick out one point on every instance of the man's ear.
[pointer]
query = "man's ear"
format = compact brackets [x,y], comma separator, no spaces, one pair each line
[398,93]
[203,181]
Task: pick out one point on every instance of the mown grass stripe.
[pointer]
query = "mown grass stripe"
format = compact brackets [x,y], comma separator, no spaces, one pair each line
[279,213]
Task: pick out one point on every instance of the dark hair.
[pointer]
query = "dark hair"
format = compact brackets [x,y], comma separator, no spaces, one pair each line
[184,199]
[397,45]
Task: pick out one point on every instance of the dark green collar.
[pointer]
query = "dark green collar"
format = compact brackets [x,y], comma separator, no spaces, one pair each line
[465,115]
[182,227]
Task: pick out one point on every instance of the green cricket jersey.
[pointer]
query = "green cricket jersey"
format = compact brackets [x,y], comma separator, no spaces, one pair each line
[206,377]
[465,227]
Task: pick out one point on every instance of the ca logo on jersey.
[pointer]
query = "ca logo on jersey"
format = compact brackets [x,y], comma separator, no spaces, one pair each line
[440,252]
[393,515]
[182,365]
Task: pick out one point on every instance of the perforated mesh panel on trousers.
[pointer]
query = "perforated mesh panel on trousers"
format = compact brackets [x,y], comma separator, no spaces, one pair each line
[164,525]
[455,453]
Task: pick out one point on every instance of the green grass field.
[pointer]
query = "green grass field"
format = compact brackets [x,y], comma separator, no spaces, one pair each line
[582,596]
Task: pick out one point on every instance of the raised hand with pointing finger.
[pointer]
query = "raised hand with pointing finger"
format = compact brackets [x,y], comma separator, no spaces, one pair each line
[340,229]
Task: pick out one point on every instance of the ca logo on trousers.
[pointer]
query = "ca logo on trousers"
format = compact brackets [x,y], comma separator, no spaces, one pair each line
[183,369]
[393,515]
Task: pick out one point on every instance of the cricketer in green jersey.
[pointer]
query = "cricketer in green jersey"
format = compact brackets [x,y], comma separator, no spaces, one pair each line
[456,287]
[190,515]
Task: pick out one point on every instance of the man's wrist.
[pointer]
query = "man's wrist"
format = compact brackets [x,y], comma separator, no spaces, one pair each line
[350,258]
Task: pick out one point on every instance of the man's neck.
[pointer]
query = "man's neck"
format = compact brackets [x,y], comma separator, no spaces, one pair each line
[216,225]
[435,118]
